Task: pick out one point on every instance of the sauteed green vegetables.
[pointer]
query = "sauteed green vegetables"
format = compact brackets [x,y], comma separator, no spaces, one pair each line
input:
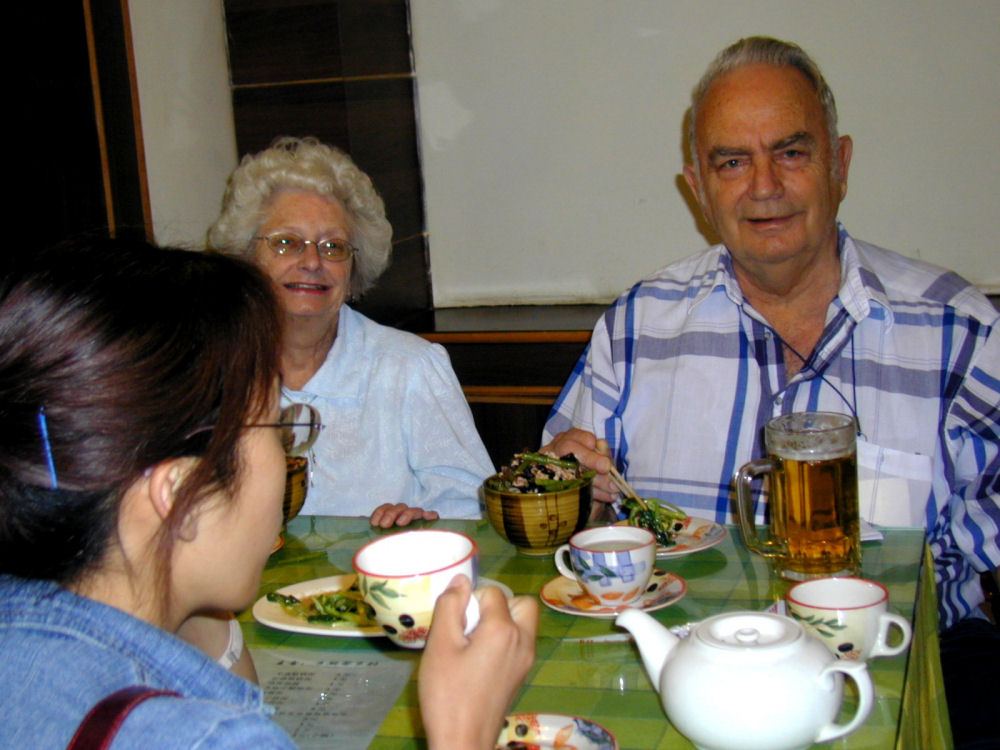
[662,518]
[331,608]
[539,472]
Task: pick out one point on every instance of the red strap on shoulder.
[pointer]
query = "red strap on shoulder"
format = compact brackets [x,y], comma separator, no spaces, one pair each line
[100,726]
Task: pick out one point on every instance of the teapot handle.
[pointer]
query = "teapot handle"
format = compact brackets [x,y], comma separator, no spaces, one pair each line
[857,671]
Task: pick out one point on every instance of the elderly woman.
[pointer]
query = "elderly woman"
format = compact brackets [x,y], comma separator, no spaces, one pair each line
[405,446]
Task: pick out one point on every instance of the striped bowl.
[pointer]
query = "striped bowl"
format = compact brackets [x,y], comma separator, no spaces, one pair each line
[537,523]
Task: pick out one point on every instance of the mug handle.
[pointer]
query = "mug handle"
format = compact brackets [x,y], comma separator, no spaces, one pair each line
[744,504]
[881,646]
[857,671]
[471,614]
[560,558]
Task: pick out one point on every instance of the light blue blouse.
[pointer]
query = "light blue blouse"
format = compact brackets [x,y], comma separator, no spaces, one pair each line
[397,427]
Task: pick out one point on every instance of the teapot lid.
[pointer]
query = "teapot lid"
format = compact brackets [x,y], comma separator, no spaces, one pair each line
[748,630]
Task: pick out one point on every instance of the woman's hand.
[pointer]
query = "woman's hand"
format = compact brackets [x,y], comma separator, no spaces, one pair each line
[593,454]
[467,683]
[388,515]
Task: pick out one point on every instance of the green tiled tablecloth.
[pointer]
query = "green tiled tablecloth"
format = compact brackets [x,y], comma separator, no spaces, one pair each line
[605,682]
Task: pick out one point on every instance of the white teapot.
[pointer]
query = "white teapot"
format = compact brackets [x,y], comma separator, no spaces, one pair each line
[748,681]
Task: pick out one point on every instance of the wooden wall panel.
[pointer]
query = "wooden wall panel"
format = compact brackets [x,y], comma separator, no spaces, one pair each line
[404,287]
[282,42]
[82,170]
[341,71]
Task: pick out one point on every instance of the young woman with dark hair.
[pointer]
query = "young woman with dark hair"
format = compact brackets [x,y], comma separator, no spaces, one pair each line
[141,446]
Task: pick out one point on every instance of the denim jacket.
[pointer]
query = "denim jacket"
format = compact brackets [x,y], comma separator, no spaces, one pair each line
[61,653]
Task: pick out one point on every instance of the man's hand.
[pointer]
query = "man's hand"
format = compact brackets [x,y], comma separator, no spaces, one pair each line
[467,683]
[593,454]
[388,515]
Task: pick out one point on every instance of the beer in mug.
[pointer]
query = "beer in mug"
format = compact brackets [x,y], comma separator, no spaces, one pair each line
[813,488]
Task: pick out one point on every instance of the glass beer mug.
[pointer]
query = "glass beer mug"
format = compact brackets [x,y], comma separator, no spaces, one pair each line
[813,488]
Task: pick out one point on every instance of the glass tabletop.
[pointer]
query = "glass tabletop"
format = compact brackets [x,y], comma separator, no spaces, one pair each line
[604,680]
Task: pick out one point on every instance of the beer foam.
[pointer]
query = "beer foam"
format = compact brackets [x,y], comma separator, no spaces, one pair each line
[812,452]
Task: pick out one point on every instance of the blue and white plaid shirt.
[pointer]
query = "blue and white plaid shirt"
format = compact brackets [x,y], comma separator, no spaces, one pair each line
[682,373]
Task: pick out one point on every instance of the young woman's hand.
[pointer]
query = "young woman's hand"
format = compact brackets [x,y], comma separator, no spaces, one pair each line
[467,683]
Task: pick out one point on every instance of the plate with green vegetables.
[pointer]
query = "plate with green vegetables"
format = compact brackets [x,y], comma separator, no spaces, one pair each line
[323,606]
[676,532]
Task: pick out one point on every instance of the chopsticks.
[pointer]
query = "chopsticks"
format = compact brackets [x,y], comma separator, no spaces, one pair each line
[625,488]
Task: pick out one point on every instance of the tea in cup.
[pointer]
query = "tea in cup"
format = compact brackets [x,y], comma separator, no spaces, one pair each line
[850,616]
[613,564]
[402,575]
[813,472]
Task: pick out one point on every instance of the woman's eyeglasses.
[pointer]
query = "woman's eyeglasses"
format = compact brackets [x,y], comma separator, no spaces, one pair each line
[286,243]
[300,425]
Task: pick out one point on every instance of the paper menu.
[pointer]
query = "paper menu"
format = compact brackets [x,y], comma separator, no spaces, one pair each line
[326,700]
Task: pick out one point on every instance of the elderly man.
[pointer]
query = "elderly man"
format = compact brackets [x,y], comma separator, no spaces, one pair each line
[790,313]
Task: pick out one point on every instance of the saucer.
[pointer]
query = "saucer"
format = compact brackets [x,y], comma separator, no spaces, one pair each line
[566,595]
[553,730]
[483,581]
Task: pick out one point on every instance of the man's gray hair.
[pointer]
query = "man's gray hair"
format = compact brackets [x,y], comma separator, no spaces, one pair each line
[763,50]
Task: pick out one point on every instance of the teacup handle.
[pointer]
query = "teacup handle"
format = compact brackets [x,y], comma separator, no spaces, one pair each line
[857,671]
[881,646]
[560,558]
[471,614]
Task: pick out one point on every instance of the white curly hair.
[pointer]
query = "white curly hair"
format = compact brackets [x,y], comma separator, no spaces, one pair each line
[305,164]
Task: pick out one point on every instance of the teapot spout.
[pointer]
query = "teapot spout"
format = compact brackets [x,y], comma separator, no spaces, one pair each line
[655,642]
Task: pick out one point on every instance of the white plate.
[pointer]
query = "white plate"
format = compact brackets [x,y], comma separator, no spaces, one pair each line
[272,615]
[554,730]
[694,535]
[567,596]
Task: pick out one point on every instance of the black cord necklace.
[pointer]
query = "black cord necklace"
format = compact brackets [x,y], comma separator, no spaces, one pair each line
[854,378]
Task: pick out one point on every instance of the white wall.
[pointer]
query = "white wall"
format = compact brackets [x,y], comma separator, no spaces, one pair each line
[551,133]
[187,115]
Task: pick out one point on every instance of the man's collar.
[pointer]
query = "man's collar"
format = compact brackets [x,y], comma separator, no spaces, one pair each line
[719,282]
[859,286]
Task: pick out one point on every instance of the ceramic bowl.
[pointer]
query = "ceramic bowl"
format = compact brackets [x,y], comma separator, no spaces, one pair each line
[538,523]
[296,480]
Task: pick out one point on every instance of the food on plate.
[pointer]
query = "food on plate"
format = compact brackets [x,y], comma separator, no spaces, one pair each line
[664,519]
[540,472]
[328,607]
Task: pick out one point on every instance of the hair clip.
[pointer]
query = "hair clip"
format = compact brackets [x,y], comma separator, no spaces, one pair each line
[43,427]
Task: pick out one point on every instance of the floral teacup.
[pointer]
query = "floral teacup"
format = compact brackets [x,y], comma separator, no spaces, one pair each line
[402,575]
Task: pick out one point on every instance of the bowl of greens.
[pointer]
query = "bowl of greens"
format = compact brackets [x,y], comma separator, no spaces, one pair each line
[296,481]
[538,501]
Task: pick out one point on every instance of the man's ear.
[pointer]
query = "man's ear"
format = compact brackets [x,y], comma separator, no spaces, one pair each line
[845,149]
[165,480]
[691,178]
